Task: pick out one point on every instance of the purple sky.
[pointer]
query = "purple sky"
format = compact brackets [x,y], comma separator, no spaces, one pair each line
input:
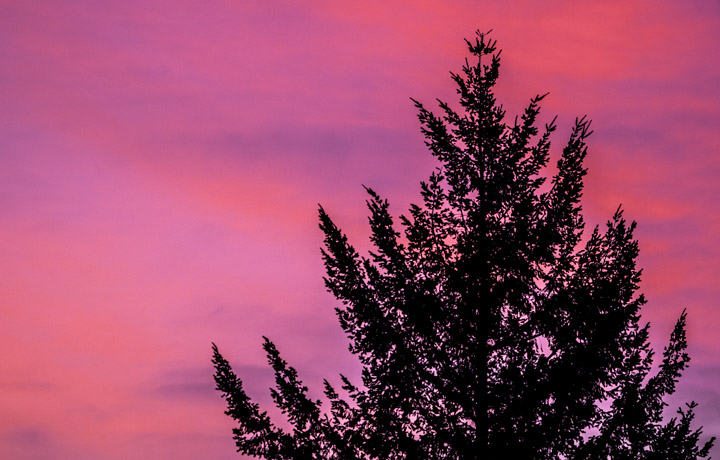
[162,164]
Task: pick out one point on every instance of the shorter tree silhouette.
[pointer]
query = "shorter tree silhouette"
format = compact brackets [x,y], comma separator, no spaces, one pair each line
[489,329]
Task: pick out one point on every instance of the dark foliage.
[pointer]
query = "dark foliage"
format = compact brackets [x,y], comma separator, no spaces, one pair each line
[490,328]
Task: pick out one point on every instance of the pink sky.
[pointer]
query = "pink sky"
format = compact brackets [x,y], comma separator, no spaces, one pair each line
[162,163]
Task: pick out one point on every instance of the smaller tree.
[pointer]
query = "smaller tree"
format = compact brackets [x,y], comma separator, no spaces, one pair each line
[491,331]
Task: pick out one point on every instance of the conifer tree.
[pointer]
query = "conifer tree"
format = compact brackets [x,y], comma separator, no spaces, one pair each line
[490,328]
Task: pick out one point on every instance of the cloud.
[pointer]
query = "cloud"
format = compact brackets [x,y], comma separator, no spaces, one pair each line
[162,167]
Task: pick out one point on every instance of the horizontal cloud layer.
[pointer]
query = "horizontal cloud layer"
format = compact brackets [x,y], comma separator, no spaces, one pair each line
[162,164]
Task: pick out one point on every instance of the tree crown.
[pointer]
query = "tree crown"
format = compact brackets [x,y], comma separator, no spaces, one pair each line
[487,328]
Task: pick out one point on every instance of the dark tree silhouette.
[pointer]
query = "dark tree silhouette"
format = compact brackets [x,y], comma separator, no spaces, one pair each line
[490,328]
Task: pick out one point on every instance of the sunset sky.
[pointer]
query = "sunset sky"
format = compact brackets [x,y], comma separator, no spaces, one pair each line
[162,162]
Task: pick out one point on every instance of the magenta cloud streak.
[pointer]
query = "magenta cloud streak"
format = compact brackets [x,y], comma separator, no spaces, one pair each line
[162,164]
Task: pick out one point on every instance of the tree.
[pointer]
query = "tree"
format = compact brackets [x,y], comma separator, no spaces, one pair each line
[490,328]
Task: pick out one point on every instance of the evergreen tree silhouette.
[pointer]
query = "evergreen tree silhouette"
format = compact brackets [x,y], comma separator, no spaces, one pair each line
[489,329]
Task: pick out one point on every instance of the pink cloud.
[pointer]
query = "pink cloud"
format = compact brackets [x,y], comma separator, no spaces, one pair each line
[162,164]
